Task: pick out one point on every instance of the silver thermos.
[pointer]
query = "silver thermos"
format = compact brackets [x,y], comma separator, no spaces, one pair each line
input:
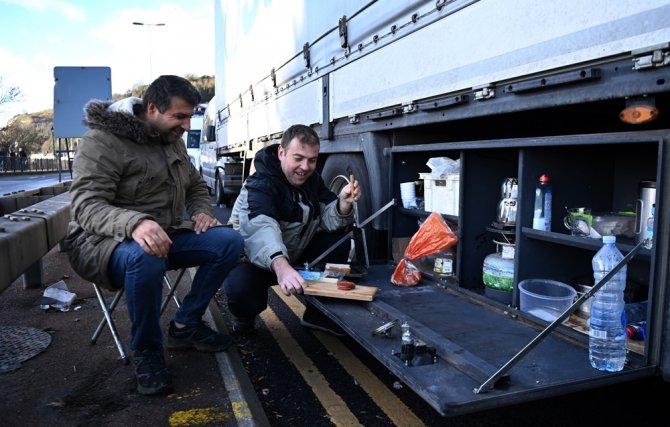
[646,200]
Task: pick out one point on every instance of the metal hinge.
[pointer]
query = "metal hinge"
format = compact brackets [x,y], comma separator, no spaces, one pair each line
[305,54]
[409,107]
[658,58]
[342,24]
[487,92]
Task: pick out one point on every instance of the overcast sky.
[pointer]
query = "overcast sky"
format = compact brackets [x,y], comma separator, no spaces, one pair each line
[38,35]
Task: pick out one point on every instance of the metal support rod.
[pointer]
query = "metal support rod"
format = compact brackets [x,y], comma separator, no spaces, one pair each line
[349,234]
[108,317]
[110,308]
[488,384]
[171,290]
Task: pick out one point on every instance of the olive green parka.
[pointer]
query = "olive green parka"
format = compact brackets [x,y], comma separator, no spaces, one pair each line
[123,173]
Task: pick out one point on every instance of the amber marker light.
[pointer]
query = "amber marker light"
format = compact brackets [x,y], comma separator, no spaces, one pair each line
[639,110]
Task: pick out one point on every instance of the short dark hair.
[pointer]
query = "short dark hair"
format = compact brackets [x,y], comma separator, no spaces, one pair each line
[305,134]
[164,88]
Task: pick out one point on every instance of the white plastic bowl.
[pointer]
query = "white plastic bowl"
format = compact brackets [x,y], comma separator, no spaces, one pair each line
[545,299]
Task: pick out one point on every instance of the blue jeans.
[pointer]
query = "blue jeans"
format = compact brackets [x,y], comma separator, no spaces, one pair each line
[215,252]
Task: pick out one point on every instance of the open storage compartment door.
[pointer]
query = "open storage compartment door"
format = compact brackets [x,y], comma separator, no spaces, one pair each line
[472,340]
[473,336]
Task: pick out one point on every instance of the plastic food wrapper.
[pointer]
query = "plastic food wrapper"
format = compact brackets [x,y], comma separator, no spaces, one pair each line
[433,236]
[57,296]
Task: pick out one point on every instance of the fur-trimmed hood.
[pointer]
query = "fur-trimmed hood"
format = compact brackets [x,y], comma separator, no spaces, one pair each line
[122,122]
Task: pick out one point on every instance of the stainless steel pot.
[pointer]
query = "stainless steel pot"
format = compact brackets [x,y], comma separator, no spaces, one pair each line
[585,308]
[507,211]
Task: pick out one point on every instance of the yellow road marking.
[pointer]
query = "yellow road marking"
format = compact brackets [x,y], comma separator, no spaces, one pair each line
[335,407]
[386,400]
[194,417]
[241,410]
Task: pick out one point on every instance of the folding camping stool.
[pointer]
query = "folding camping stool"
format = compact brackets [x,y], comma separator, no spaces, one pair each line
[108,310]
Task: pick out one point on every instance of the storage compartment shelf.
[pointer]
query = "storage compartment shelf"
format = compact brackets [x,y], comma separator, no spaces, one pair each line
[600,171]
[624,244]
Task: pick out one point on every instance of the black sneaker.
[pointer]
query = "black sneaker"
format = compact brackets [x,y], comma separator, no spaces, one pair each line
[244,326]
[151,373]
[200,336]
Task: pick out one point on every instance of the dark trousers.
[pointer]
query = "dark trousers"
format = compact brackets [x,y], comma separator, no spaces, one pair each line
[247,285]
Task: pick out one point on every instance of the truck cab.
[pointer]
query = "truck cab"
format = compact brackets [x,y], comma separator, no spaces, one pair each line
[192,137]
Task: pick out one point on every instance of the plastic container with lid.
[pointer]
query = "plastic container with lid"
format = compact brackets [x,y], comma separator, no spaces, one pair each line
[620,224]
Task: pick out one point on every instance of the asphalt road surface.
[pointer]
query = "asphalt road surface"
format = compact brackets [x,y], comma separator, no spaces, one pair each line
[26,182]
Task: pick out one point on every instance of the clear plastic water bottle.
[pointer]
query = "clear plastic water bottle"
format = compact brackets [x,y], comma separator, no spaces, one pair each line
[649,237]
[407,348]
[607,324]
[542,209]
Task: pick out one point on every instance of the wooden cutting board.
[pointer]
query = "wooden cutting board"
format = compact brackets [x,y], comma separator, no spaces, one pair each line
[329,289]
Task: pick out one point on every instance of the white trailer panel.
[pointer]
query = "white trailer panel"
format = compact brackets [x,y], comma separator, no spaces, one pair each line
[505,39]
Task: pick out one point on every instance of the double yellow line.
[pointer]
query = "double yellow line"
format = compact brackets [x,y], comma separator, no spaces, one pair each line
[335,407]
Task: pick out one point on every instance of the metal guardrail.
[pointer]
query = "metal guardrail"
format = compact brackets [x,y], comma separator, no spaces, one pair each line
[32,223]
[11,165]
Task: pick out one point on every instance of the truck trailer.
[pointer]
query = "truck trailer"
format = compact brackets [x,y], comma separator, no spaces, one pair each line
[507,91]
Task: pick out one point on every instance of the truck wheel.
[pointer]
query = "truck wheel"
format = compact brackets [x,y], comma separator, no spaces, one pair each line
[210,190]
[347,164]
[219,197]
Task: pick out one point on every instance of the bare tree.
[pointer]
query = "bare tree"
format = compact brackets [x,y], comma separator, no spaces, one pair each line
[9,94]
[17,135]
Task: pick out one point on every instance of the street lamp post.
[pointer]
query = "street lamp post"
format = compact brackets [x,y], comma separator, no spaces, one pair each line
[148,25]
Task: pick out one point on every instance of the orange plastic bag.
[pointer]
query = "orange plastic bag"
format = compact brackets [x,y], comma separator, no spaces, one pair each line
[433,236]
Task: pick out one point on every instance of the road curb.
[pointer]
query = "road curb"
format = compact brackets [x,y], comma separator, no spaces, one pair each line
[247,408]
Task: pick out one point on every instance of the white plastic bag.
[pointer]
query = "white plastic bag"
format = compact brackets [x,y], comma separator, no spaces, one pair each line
[441,166]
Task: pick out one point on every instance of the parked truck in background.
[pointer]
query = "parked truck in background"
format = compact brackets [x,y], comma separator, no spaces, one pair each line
[192,137]
[509,89]
[221,170]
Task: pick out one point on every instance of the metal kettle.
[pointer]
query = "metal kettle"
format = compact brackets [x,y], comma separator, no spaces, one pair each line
[506,214]
[646,200]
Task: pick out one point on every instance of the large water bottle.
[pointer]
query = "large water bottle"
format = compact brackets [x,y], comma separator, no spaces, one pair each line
[607,324]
